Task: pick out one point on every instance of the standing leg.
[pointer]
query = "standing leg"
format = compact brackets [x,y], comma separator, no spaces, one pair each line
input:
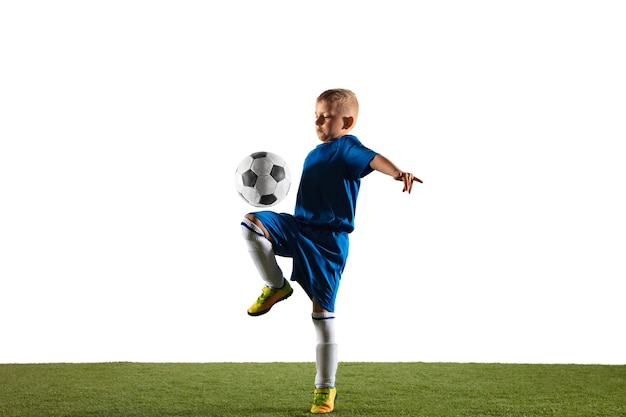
[326,360]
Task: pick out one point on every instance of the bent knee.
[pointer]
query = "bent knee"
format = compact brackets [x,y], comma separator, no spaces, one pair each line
[254,225]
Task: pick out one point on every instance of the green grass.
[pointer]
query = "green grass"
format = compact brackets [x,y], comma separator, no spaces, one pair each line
[285,389]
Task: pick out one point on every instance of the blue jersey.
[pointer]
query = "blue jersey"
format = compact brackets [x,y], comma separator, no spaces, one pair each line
[329,187]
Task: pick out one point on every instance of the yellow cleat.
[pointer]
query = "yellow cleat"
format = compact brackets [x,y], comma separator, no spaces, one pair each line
[323,400]
[268,298]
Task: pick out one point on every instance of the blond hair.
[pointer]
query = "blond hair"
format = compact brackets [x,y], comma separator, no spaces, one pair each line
[345,98]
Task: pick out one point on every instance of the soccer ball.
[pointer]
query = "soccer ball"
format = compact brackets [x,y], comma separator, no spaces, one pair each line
[263,179]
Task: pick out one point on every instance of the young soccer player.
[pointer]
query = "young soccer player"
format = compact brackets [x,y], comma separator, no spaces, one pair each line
[316,235]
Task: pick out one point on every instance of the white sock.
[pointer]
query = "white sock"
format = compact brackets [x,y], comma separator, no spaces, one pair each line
[262,254]
[326,360]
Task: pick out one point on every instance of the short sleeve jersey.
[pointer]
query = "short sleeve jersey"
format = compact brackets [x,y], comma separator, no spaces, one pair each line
[330,182]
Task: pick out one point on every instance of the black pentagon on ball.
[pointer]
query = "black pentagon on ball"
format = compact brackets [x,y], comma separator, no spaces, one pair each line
[267,200]
[258,155]
[249,178]
[278,173]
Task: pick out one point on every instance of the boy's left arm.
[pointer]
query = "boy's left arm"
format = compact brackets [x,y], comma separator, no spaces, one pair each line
[384,165]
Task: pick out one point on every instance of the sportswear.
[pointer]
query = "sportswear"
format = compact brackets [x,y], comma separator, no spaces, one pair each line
[330,182]
[323,400]
[269,297]
[316,235]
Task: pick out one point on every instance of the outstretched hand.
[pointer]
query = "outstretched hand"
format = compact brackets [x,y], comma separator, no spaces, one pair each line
[407,178]
[384,165]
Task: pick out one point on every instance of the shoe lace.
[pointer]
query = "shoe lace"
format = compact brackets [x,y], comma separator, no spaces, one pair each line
[320,397]
[265,294]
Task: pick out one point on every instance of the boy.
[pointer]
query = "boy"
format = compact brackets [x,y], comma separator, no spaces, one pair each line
[316,235]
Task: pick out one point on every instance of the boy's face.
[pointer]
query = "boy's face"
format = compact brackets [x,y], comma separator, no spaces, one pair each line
[332,121]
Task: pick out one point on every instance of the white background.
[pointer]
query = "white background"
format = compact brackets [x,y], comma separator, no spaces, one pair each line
[122,122]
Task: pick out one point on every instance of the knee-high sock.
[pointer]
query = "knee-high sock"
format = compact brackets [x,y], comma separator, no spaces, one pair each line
[326,360]
[262,254]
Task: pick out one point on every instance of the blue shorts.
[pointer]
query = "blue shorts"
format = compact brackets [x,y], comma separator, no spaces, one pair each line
[319,255]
